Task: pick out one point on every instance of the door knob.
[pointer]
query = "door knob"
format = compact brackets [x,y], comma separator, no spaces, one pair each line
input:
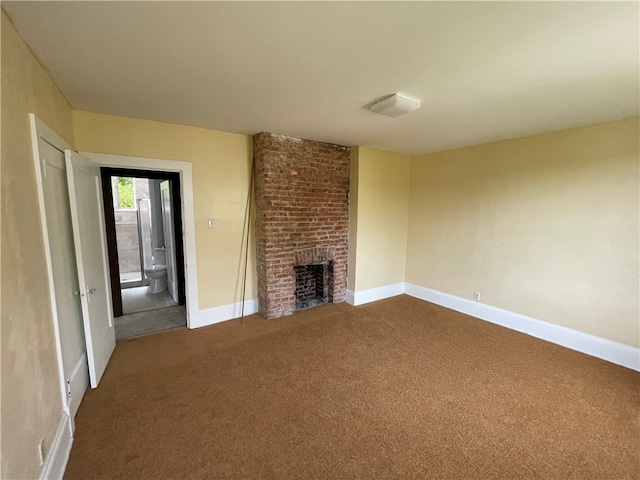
[91,291]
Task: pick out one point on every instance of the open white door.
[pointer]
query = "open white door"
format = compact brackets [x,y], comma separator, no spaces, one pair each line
[85,198]
[169,247]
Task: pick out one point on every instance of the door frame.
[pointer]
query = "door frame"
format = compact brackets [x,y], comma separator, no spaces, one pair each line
[184,169]
[107,198]
[39,130]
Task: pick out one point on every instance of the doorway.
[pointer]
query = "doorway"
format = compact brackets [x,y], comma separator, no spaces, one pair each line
[146,251]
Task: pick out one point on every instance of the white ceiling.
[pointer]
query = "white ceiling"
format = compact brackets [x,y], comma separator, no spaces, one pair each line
[484,71]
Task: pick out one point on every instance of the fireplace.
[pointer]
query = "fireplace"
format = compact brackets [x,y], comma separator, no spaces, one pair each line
[302,214]
[313,284]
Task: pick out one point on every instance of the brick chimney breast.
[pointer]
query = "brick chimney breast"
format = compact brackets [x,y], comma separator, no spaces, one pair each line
[302,217]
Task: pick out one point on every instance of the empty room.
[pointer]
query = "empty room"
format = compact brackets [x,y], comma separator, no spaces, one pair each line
[320,240]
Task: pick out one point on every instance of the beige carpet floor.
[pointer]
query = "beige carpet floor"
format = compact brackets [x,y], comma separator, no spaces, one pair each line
[394,389]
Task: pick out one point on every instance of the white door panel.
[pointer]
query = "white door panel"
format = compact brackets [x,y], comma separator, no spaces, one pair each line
[167,221]
[85,196]
[64,272]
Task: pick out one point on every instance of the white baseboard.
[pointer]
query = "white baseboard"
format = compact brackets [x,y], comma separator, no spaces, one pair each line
[79,384]
[350,298]
[56,459]
[608,350]
[373,294]
[223,313]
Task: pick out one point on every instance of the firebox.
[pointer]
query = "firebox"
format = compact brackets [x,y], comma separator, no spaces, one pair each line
[313,284]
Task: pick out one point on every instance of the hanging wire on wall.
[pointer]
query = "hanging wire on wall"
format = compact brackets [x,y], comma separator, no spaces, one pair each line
[247,228]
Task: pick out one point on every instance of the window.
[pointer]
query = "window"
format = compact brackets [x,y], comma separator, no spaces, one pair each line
[124,197]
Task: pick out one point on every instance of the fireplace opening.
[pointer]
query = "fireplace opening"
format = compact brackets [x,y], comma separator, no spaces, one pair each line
[313,284]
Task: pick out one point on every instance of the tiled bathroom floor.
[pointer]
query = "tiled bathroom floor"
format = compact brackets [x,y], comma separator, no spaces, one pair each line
[138,299]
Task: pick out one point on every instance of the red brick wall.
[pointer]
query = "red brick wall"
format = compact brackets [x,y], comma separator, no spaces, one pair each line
[301,189]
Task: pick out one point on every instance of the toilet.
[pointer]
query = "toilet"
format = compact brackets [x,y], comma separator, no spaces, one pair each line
[157,274]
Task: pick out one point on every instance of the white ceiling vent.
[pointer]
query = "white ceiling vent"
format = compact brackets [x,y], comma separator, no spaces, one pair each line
[395,105]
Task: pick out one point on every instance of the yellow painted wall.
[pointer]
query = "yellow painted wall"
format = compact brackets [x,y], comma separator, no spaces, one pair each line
[380,198]
[353,217]
[221,165]
[31,403]
[545,226]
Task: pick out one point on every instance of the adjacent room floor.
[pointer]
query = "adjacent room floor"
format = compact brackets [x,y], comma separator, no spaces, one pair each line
[138,299]
[150,321]
[396,389]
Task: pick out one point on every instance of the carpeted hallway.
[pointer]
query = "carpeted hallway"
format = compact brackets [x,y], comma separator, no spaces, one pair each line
[394,389]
